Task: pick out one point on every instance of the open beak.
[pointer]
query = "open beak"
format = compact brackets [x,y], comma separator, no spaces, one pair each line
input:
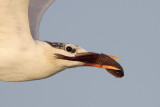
[98,60]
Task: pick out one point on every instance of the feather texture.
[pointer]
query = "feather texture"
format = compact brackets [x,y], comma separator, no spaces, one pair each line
[36,10]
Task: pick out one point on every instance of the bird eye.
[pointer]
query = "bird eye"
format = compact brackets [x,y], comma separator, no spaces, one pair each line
[69,49]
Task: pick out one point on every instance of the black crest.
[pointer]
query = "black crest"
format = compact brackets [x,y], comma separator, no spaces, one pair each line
[56,45]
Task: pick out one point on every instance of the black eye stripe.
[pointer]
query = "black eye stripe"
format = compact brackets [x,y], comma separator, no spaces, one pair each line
[56,45]
[62,46]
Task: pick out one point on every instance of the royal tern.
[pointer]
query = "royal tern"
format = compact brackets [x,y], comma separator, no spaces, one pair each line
[24,57]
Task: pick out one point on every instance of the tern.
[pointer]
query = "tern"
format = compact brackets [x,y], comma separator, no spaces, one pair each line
[24,58]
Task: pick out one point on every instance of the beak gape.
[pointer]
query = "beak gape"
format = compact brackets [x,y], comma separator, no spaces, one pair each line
[97,60]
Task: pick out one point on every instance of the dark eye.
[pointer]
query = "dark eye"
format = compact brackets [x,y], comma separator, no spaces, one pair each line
[69,49]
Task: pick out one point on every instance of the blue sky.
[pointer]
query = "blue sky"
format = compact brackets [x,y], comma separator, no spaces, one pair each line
[128,29]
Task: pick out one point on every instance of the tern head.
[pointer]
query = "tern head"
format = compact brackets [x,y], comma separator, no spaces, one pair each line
[69,55]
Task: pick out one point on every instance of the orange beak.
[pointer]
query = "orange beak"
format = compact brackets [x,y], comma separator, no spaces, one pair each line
[102,66]
[98,60]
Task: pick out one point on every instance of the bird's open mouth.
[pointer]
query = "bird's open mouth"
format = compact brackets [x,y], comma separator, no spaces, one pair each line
[98,60]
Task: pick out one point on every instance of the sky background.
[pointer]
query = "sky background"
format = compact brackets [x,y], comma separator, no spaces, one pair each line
[128,29]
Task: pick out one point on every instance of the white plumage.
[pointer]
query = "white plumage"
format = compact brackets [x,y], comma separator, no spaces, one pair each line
[21,57]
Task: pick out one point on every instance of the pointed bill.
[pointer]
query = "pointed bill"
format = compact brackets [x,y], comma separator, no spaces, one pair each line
[98,60]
